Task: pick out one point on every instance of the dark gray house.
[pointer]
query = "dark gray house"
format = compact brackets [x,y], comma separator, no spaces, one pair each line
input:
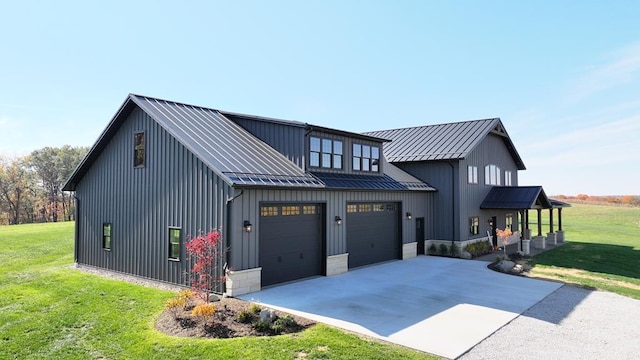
[292,200]
[474,165]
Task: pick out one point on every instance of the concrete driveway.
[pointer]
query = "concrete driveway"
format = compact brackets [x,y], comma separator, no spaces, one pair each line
[438,305]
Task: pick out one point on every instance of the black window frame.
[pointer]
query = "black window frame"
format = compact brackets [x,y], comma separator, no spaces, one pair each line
[172,244]
[326,153]
[107,238]
[139,149]
[474,225]
[363,158]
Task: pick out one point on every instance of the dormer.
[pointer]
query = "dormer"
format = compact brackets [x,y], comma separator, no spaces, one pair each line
[335,151]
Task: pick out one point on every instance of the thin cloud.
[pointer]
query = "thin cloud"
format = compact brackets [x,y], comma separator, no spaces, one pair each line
[623,67]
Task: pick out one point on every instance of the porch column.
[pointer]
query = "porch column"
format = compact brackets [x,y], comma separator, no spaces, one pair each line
[551,220]
[539,222]
[559,219]
[552,237]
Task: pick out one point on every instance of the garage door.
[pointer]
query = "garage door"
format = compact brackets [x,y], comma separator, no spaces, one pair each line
[291,239]
[372,233]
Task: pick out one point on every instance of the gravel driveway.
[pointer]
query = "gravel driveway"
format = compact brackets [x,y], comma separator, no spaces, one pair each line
[571,323]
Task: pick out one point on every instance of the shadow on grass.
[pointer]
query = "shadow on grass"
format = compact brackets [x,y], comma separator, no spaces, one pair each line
[597,258]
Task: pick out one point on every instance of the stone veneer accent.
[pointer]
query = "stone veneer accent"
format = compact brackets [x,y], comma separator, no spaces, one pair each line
[552,239]
[242,282]
[560,236]
[539,242]
[337,264]
[409,250]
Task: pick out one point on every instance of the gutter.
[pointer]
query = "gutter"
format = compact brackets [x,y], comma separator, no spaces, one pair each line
[228,237]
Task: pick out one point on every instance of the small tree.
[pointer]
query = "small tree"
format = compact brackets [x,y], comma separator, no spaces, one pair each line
[205,252]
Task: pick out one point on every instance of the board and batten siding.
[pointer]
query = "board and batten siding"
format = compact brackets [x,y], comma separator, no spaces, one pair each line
[439,175]
[287,139]
[173,189]
[491,150]
[245,247]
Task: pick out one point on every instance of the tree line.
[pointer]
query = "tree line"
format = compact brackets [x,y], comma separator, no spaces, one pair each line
[31,185]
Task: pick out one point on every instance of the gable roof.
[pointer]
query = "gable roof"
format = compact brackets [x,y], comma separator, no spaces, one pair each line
[228,149]
[224,146]
[452,141]
[516,197]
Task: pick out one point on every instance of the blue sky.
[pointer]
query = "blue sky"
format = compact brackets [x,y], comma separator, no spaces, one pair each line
[564,76]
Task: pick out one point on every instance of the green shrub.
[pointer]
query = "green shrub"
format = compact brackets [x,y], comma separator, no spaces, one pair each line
[255,308]
[453,250]
[443,250]
[245,316]
[432,249]
[277,328]
[286,321]
[261,326]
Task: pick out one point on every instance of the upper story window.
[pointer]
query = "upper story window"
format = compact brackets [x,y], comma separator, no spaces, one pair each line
[138,149]
[325,153]
[491,175]
[507,178]
[472,174]
[366,158]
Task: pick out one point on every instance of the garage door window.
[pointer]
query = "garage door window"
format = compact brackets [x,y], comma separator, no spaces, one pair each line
[310,209]
[269,211]
[290,210]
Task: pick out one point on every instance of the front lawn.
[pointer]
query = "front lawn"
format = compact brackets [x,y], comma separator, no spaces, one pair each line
[48,310]
[603,249]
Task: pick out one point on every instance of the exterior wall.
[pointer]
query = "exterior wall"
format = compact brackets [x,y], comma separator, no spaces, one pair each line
[439,175]
[245,247]
[173,189]
[287,139]
[491,150]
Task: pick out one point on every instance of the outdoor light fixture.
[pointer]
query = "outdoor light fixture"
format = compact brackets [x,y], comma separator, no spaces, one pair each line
[338,220]
[247,226]
[408,216]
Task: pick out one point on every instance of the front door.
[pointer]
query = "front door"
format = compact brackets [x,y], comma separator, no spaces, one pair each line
[420,235]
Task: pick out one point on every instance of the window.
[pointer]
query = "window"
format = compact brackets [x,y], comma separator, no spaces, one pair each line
[507,178]
[106,236]
[352,208]
[491,175]
[291,210]
[269,211]
[174,243]
[325,153]
[138,149]
[472,174]
[310,209]
[474,225]
[366,158]
[508,221]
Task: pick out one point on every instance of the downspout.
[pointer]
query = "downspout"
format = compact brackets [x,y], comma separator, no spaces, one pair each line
[228,236]
[76,234]
[453,203]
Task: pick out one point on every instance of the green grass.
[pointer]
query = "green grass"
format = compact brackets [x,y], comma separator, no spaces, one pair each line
[603,249]
[48,310]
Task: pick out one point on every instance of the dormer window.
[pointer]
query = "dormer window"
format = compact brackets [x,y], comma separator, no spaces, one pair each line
[325,153]
[366,158]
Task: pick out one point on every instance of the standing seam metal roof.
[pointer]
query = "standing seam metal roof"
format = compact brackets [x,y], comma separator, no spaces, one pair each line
[442,141]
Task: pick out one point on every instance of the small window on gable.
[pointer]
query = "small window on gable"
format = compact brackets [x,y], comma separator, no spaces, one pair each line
[174,243]
[474,225]
[472,174]
[138,149]
[491,175]
[325,153]
[507,178]
[106,236]
[366,158]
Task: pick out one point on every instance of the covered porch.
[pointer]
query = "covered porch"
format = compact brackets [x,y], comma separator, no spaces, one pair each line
[523,199]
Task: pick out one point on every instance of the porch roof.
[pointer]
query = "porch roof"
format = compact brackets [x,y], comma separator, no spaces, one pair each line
[516,197]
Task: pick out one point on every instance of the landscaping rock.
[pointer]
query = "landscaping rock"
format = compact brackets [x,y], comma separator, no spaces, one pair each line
[465,255]
[517,269]
[505,265]
[268,315]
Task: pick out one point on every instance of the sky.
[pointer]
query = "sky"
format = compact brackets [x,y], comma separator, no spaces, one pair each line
[564,76]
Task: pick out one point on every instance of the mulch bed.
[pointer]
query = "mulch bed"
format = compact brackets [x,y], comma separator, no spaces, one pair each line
[223,323]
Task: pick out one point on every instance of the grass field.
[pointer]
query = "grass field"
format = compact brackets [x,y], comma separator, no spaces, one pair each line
[603,249]
[50,311]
